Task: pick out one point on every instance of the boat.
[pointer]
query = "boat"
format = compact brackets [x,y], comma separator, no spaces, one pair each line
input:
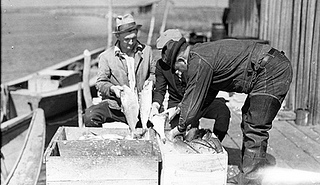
[22,148]
[53,89]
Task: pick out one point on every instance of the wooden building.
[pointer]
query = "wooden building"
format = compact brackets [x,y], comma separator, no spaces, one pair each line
[293,27]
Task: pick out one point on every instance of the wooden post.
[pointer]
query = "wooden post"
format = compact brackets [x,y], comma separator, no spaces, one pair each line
[86,78]
[80,121]
[151,24]
[164,20]
[109,23]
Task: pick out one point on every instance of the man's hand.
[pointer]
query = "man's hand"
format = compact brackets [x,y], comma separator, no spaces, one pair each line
[116,89]
[173,133]
[154,109]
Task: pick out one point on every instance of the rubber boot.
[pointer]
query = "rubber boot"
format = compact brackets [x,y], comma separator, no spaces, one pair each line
[258,113]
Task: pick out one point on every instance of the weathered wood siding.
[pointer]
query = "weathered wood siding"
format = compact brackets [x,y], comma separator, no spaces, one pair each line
[293,27]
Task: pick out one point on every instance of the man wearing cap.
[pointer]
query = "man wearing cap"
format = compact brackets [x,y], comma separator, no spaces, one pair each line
[242,66]
[128,62]
[176,84]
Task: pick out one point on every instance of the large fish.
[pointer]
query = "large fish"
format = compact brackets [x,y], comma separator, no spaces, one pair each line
[145,101]
[130,107]
[158,122]
[184,148]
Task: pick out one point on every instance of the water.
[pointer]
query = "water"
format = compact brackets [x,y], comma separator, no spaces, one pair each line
[33,41]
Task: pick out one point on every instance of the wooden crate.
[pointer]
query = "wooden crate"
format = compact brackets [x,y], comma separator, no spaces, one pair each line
[190,169]
[102,161]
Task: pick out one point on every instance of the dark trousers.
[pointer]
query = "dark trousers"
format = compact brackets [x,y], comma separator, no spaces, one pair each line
[96,115]
[269,88]
[217,110]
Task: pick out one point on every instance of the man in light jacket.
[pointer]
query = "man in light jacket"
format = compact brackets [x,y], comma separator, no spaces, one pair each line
[128,62]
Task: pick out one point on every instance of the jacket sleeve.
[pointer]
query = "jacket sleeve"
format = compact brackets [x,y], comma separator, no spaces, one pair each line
[103,83]
[160,85]
[152,67]
[199,80]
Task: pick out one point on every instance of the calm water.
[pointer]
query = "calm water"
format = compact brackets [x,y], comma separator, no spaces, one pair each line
[32,41]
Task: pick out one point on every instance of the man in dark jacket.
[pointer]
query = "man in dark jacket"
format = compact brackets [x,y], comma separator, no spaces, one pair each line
[258,70]
[175,85]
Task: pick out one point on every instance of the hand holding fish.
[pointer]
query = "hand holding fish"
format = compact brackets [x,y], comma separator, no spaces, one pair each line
[116,89]
[154,109]
[173,133]
[147,83]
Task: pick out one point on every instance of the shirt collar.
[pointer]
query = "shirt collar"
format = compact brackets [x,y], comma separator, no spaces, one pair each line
[138,49]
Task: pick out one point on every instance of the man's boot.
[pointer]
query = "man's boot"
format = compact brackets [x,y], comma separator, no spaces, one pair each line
[258,113]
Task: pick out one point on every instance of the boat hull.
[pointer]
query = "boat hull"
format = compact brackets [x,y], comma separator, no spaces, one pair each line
[23,148]
[53,89]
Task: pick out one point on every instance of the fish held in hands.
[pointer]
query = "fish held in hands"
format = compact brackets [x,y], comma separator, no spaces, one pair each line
[158,122]
[145,101]
[130,107]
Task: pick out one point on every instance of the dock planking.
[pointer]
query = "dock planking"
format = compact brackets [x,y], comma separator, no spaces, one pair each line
[290,145]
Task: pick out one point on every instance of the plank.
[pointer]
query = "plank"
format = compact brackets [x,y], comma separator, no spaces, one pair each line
[235,131]
[99,148]
[106,169]
[295,51]
[288,151]
[300,139]
[313,132]
[53,72]
[109,182]
[184,169]
[303,84]
[233,140]
[315,71]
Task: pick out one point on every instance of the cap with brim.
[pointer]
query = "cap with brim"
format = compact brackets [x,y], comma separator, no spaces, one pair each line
[171,34]
[125,23]
[173,53]
[127,27]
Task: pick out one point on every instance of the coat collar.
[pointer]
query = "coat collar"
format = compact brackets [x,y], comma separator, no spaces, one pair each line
[138,49]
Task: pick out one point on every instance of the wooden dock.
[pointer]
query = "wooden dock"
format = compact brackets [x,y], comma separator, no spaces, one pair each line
[290,146]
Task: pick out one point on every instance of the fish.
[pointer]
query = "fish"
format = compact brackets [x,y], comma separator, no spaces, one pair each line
[145,101]
[173,111]
[184,148]
[158,122]
[130,107]
[202,146]
[216,144]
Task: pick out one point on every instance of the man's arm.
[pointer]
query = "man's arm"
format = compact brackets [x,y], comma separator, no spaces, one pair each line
[199,81]
[160,85]
[152,68]
[103,83]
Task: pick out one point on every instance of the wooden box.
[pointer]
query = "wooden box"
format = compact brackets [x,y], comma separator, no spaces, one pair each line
[71,160]
[190,169]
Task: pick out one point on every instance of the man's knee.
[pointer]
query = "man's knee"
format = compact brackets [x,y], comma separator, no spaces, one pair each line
[95,115]
[221,108]
[89,118]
